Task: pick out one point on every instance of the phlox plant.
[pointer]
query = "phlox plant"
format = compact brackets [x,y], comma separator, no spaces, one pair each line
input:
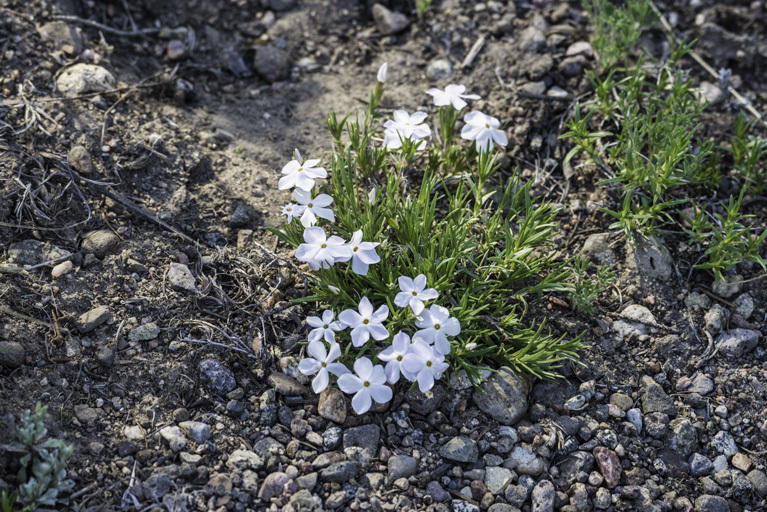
[430,260]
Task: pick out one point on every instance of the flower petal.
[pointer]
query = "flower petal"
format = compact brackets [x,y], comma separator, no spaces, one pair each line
[362,401]
[406,284]
[317,350]
[380,315]
[363,367]
[309,366]
[350,318]
[425,380]
[335,352]
[321,381]
[349,383]
[402,299]
[365,308]
[338,369]
[381,394]
[359,267]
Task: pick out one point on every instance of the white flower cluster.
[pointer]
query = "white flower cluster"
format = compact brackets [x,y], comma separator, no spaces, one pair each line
[420,360]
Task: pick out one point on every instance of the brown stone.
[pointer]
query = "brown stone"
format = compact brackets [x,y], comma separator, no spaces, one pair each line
[609,465]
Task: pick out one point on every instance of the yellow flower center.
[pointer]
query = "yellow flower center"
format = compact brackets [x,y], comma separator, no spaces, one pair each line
[415,294]
[399,358]
[356,249]
[428,363]
[367,384]
[436,327]
[324,246]
[310,205]
[487,126]
[366,321]
[300,169]
[324,364]
[324,326]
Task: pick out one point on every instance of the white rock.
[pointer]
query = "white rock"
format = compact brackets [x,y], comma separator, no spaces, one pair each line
[85,78]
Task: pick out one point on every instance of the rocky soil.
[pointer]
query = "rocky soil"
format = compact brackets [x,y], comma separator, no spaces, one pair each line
[143,301]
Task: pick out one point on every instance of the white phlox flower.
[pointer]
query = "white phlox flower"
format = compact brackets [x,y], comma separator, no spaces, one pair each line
[382,72]
[363,254]
[319,251]
[394,356]
[365,322]
[292,210]
[413,293]
[369,384]
[405,126]
[435,326]
[484,130]
[452,95]
[301,175]
[425,363]
[322,364]
[324,328]
[313,207]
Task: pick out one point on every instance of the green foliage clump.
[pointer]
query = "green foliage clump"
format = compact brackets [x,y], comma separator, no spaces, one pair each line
[616,29]
[42,477]
[747,152]
[587,288]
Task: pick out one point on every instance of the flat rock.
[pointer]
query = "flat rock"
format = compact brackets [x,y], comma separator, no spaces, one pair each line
[439,69]
[286,385]
[401,466]
[11,354]
[365,437]
[84,78]
[724,443]
[196,430]
[759,481]
[80,158]
[543,496]
[496,479]
[33,252]
[181,278]
[710,503]
[340,472]
[532,39]
[460,449]
[217,379]
[650,259]
[684,438]
[597,249]
[655,399]
[85,414]
[738,342]
[92,319]
[580,48]
[100,243]
[425,403]
[244,459]
[503,396]
[701,384]
[387,21]
[634,321]
[148,331]
[62,35]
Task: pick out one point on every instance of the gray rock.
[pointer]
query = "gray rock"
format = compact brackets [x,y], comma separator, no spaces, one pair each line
[496,479]
[439,69]
[575,403]
[389,22]
[575,463]
[148,331]
[172,434]
[307,481]
[286,385]
[720,463]
[332,405]
[336,499]
[724,443]
[272,64]
[340,472]
[281,5]
[557,92]
[217,379]
[181,278]
[597,248]
[32,252]
[365,437]
[759,481]
[532,39]
[80,159]
[728,287]
[425,403]
[85,414]
[716,318]
[524,461]
[89,321]
[602,499]
[701,384]
[634,321]
[709,503]
[435,490]
[580,48]
[157,486]
[697,300]
[684,438]
[738,342]
[401,466]
[744,306]
[543,496]
[655,399]
[650,259]
[502,507]
[105,356]
[84,78]
[656,424]
[273,486]
[700,465]
[463,506]
[571,66]
[460,449]
[635,418]
[11,354]
[331,439]
[503,396]
[196,430]
[516,495]
[268,446]
[711,93]
[303,501]
[244,459]
[537,87]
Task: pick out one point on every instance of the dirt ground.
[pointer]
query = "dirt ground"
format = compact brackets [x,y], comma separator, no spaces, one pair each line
[175,164]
